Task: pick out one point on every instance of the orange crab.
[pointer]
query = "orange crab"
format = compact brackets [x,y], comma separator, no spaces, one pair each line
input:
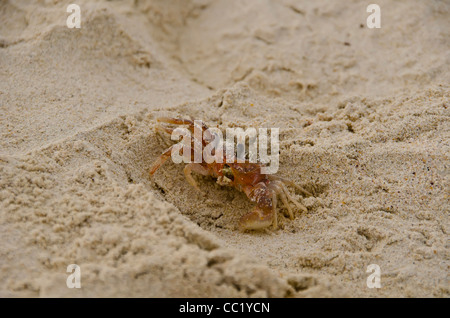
[263,189]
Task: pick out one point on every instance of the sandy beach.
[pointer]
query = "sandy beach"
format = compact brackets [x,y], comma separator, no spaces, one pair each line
[364,125]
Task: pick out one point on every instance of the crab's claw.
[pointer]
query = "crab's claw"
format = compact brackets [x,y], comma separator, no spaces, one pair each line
[257,219]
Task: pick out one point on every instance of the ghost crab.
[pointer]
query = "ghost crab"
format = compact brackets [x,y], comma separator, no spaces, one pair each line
[263,189]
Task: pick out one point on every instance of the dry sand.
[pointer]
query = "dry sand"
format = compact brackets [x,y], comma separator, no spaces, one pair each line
[364,124]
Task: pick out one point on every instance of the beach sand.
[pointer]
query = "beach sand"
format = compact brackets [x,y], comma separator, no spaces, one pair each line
[364,126]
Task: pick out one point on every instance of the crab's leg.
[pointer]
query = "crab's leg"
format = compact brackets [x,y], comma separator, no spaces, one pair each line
[198,144]
[164,156]
[276,187]
[286,193]
[301,189]
[286,203]
[175,121]
[262,215]
[289,182]
[160,128]
[180,121]
[196,168]
[274,210]
[265,212]
[258,218]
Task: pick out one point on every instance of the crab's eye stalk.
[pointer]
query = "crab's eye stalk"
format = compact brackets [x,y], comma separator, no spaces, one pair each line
[227,172]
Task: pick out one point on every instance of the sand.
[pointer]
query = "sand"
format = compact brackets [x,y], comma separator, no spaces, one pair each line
[364,125]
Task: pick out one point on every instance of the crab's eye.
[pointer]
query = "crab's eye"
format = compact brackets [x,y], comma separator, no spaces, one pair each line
[226,170]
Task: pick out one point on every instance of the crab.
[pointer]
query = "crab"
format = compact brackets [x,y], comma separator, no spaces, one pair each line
[263,189]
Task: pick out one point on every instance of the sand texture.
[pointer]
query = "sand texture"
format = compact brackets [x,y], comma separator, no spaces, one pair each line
[364,126]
